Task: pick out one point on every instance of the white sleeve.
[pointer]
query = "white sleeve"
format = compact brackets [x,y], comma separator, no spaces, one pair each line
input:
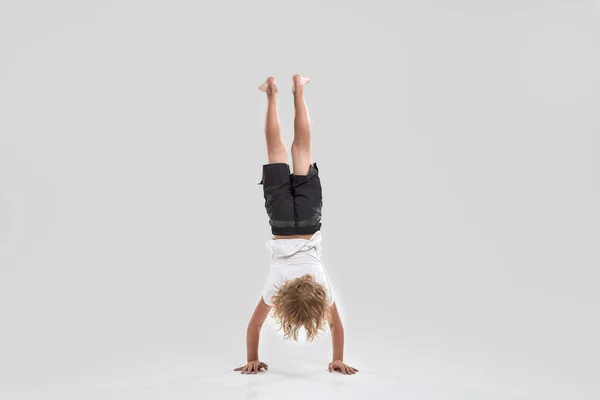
[271,287]
[331,297]
[329,288]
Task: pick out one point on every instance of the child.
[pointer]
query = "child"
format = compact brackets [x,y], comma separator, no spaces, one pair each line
[297,289]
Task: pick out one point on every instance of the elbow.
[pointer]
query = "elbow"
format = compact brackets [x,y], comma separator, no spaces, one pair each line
[255,325]
[336,326]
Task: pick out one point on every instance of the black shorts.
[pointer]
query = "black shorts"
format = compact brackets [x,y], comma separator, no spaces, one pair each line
[293,202]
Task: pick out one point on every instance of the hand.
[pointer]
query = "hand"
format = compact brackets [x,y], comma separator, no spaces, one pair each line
[337,365]
[252,367]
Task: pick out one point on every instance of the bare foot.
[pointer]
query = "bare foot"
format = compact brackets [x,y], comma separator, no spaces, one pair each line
[298,83]
[269,87]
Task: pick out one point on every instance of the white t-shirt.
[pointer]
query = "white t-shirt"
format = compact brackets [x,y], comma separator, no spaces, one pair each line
[292,258]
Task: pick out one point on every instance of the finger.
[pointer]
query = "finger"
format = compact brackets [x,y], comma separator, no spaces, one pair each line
[245,370]
[255,369]
[330,367]
[343,369]
[265,366]
[355,370]
[238,369]
[348,372]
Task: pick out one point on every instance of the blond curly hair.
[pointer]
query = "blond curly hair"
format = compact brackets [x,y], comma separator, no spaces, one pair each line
[301,302]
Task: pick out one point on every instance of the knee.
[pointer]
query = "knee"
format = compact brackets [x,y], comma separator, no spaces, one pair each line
[301,146]
[277,155]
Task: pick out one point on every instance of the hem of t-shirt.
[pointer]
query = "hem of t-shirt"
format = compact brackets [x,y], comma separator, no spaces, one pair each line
[267,302]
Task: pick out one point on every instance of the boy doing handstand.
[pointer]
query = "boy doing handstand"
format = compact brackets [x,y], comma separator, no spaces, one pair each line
[297,291]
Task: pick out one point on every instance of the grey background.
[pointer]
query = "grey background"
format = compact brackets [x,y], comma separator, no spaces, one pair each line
[457,142]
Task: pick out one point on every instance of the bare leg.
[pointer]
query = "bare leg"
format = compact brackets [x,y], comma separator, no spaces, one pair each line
[301,154]
[275,147]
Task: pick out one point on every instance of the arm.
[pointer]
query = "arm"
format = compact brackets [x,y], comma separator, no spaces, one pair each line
[253,331]
[337,340]
[254,366]
[337,334]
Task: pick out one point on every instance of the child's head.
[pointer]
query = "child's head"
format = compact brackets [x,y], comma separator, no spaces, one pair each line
[301,302]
